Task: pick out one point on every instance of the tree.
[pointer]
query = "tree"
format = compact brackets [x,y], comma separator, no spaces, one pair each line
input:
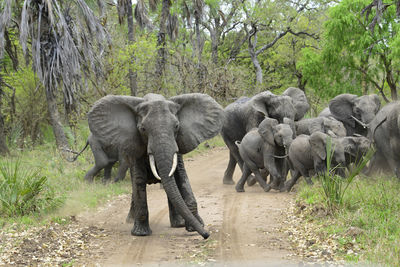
[353,57]
[125,10]
[65,40]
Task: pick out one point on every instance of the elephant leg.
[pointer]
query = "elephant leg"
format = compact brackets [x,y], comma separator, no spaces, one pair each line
[187,194]
[230,169]
[122,169]
[245,174]
[290,183]
[107,172]
[260,180]
[100,161]
[141,225]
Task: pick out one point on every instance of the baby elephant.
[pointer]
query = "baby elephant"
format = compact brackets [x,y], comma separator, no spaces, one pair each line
[308,153]
[266,147]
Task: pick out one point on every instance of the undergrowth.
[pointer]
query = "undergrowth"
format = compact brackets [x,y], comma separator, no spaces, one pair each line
[372,205]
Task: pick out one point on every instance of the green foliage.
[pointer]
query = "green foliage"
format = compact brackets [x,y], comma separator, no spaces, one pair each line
[370,204]
[24,191]
[334,187]
[352,58]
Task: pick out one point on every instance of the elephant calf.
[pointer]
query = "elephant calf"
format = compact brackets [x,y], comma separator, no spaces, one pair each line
[266,147]
[308,153]
[327,125]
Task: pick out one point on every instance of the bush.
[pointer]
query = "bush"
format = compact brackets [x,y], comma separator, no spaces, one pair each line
[333,186]
[23,191]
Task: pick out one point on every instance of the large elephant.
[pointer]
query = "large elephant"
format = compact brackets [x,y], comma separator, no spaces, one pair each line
[385,132]
[354,111]
[265,148]
[328,125]
[247,113]
[308,153]
[153,133]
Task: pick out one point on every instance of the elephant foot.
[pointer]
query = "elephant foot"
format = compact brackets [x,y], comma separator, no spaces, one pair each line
[239,189]
[105,181]
[177,222]
[89,179]
[275,186]
[228,181]
[141,229]
[267,188]
[251,180]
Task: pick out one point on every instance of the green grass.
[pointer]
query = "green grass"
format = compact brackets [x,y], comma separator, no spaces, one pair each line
[217,141]
[370,204]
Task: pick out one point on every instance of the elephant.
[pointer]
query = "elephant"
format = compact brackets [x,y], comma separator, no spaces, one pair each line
[153,133]
[265,147]
[354,111]
[385,132]
[328,125]
[247,113]
[105,156]
[355,148]
[308,153]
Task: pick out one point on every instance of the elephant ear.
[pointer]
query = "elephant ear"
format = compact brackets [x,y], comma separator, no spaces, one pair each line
[260,101]
[200,118]
[341,108]
[377,101]
[292,126]
[112,121]
[299,100]
[266,130]
[318,144]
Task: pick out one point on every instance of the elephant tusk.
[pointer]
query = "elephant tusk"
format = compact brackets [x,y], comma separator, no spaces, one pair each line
[174,164]
[153,167]
[360,122]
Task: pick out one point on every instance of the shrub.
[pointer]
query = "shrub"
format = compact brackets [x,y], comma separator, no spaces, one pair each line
[333,186]
[24,191]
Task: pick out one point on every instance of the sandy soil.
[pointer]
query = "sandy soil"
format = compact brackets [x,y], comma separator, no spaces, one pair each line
[244,227]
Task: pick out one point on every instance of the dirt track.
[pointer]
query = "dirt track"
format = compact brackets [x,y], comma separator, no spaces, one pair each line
[243,226]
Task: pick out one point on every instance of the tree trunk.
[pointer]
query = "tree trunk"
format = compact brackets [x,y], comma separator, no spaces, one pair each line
[161,52]
[257,66]
[214,47]
[131,37]
[3,145]
[55,121]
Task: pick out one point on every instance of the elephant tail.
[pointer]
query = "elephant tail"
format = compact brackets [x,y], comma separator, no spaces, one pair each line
[237,143]
[76,153]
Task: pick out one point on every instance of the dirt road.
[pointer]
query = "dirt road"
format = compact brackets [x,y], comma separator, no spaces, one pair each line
[243,226]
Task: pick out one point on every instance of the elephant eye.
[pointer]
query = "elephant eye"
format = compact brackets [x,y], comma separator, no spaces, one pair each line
[177,126]
[142,129]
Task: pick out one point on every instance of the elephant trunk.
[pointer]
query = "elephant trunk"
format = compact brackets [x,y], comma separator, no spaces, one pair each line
[165,166]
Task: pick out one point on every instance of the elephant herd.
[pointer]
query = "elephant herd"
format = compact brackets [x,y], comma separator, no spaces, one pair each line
[349,122]
[266,134]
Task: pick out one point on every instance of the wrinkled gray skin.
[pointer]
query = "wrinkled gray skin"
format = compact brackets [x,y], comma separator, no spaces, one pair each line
[328,125]
[385,132]
[105,156]
[355,147]
[308,153]
[247,113]
[162,129]
[259,149]
[354,111]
